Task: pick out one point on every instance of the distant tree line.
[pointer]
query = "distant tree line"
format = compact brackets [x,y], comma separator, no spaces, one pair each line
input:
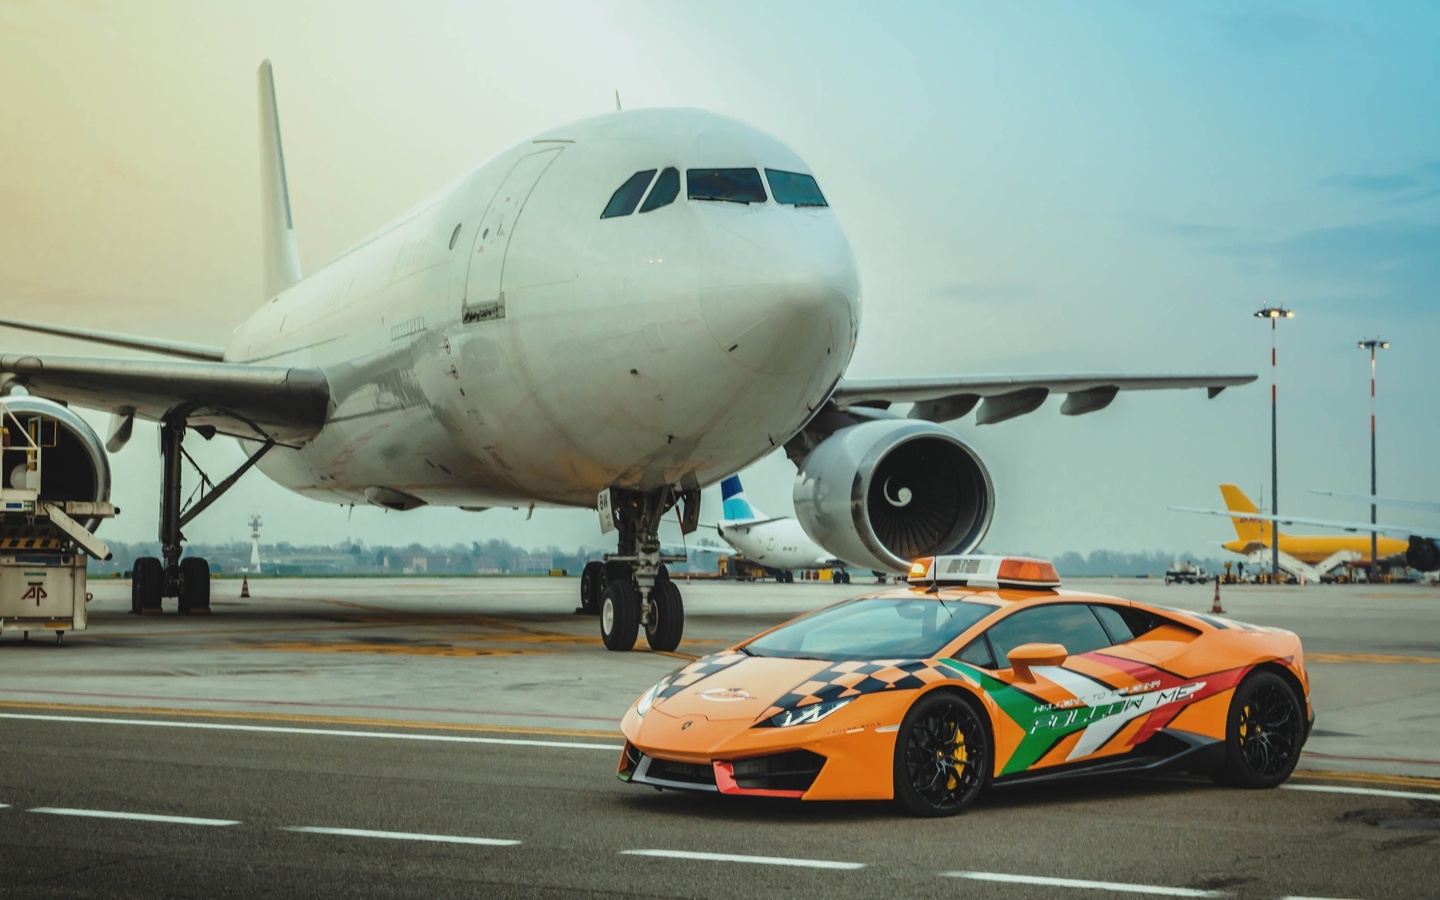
[1100,563]
[500,557]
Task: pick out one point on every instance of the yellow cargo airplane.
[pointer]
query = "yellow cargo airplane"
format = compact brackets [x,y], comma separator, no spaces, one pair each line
[1253,528]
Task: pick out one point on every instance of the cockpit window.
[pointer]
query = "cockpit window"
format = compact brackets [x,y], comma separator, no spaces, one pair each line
[622,202]
[733,185]
[667,188]
[794,188]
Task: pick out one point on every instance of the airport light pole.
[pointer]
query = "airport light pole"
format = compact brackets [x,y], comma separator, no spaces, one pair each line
[1274,314]
[1370,345]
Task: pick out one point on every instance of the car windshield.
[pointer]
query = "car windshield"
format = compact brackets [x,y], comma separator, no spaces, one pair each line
[794,188]
[879,628]
[734,185]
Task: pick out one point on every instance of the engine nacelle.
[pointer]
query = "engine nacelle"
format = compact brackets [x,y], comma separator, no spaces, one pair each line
[1422,554]
[880,494]
[73,464]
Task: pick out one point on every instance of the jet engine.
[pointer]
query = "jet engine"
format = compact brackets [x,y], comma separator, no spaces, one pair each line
[882,493]
[72,461]
[1422,554]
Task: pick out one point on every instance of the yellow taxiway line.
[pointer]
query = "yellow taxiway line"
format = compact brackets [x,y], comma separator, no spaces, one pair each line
[310,719]
[1414,781]
[1367,658]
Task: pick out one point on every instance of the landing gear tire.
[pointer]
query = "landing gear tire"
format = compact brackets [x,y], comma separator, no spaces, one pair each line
[619,614]
[147,584]
[942,755]
[667,616]
[1264,731]
[592,585]
[194,586]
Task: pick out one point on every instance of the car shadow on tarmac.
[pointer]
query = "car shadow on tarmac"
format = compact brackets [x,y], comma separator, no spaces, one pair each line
[715,808]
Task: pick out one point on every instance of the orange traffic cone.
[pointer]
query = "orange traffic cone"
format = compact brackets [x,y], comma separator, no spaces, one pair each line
[1215,607]
[245,588]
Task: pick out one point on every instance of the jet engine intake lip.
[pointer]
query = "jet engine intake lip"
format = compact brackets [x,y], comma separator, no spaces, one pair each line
[961,540]
[79,430]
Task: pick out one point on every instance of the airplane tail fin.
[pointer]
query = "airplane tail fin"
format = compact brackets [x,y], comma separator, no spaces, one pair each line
[736,507]
[278,246]
[1247,528]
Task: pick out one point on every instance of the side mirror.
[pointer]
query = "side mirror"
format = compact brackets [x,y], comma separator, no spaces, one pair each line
[1026,656]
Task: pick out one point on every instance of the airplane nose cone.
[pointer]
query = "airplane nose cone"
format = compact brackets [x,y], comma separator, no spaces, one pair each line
[781,294]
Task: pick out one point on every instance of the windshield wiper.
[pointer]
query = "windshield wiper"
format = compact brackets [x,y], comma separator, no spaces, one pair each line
[797,205]
[725,199]
[746,650]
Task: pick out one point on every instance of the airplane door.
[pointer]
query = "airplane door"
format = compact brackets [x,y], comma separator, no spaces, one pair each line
[484,298]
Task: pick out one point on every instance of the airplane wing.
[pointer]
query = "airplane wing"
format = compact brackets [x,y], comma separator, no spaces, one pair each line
[1008,396]
[1319,523]
[287,404]
[1426,505]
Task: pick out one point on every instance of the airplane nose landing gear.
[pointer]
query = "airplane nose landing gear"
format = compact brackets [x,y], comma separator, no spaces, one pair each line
[632,588]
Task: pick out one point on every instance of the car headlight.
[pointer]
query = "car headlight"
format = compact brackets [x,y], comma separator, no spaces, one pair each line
[647,699]
[804,715]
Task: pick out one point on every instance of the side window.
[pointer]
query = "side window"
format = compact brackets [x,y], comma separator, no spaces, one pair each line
[1070,624]
[1114,622]
[623,201]
[977,653]
[667,188]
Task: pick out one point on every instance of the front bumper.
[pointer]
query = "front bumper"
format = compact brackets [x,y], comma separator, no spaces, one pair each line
[842,757]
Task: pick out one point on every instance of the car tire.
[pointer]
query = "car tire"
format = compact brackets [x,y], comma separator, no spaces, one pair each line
[592,584]
[667,619]
[1264,731]
[943,755]
[619,614]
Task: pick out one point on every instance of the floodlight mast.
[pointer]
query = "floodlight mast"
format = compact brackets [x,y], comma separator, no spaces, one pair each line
[1371,344]
[1274,314]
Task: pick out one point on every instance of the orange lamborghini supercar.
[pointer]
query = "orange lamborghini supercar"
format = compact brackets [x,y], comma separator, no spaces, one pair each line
[983,671]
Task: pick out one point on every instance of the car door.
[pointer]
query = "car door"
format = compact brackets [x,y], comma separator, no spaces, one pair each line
[1067,711]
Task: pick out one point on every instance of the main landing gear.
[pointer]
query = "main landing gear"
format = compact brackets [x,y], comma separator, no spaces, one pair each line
[188,579]
[632,589]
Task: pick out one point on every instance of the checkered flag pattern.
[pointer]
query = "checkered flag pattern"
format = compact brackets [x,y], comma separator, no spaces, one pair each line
[697,671]
[851,679]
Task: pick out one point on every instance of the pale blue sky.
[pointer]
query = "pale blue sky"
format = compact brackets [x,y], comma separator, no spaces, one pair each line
[1028,188]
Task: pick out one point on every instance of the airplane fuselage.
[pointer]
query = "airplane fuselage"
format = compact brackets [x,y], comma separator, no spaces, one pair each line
[1315,549]
[504,344]
[778,543]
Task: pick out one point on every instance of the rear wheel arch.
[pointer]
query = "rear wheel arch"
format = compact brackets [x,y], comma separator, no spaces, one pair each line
[1278,668]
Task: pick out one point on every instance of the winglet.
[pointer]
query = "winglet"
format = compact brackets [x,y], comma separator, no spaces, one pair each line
[278,247]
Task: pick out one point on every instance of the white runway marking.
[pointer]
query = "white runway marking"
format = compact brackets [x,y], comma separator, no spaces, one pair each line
[326,732]
[758,860]
[136,817]
[1368,792]
[1116,886]
[403,836]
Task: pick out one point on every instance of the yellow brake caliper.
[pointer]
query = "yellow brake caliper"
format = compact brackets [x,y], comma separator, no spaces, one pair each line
[960,756]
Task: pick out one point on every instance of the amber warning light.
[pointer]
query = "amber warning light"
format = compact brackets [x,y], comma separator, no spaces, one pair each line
[985,571]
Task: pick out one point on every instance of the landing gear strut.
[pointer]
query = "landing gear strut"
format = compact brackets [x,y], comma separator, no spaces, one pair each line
[632,588]
[186,579]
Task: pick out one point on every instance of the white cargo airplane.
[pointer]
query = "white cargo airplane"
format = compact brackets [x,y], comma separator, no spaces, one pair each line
[778,543]
[586,320]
